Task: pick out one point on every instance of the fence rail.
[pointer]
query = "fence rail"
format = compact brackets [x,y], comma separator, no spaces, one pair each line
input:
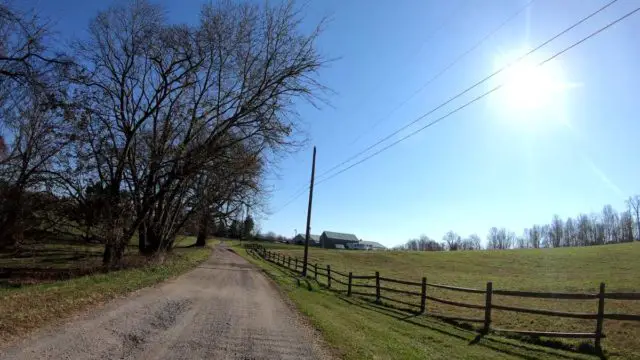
[457,288]
[546,295]
[600,316]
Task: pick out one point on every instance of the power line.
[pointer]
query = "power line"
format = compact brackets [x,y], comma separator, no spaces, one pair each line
[290,201]
[468,89]
[303,189]
[479,97]
[445,69]
[427,39]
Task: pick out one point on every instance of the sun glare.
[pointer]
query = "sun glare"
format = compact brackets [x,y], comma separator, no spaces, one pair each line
[528,86]
[531,93]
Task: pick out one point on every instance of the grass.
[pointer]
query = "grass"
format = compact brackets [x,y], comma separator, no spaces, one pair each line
[566,269]
[63,279]
[359,329]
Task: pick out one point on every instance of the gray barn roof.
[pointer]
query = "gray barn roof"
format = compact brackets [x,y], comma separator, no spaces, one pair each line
[312,237]
[374,244]
[340,236]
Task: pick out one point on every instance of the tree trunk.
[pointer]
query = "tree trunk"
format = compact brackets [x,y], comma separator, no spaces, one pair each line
[115,243]
[203,231]
[143,244]
[11,231]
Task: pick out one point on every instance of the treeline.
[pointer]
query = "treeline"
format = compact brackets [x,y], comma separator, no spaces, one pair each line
[607,227]
[144,127]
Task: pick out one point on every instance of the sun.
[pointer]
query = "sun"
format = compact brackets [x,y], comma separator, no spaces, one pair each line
[530,93]
[528,86]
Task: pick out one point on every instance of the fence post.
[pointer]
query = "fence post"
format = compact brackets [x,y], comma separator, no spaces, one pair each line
[329,276]
[423,296]
[289,262]
[600,319]
[378,287]
[296,259]
[315,271]
[349,288]
[487,308]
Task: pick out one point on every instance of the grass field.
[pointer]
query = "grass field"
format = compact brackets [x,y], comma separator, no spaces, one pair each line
[46,282]
[566,269]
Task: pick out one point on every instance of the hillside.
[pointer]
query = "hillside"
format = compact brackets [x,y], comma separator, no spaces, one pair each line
[558,270]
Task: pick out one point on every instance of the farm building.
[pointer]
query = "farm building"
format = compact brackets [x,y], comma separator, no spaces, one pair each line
[314,240]
[330,239]
[372,245]
[366,245]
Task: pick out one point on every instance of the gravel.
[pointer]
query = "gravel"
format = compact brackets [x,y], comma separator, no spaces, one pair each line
[224,309]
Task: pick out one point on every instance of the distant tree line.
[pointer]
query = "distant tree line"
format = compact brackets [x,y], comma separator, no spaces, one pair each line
[607,227]
[146,127]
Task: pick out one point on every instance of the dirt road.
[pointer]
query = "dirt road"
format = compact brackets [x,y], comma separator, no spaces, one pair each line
[224,309]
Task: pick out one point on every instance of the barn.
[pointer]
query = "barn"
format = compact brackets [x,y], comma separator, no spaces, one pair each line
[299,239]
[330,239]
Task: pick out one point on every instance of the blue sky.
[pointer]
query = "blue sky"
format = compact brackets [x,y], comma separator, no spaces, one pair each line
[511,160]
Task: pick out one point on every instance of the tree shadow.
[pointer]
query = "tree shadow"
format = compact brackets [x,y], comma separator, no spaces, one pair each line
[478,339]
[412,316]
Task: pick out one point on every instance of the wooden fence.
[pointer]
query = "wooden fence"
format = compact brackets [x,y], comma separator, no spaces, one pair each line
[421,294]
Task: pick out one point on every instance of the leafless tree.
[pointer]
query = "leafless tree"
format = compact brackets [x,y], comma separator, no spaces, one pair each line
[472,243]
[33,113]
[626,227]
[452,241]
[163,101]
[633,203]
[532,238]
[570,233]
[556,231]
[500,239]
[610,221]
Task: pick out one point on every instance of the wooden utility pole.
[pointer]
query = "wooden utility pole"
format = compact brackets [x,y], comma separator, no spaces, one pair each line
[308,234]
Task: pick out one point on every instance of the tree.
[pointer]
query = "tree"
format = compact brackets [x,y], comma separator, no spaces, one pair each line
[500,239]
[452,241]
[472,243]
[532,238]
[610,221]
[583,229]
[248,228]
[198,91]
[633,203]
[556,232]
[626,227]
[570,234]
[33,114]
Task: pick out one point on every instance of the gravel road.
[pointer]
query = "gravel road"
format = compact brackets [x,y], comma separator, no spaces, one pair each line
[224,309]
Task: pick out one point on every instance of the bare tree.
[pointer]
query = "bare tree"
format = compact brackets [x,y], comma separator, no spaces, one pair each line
[500,239]
[165,100]
[533,237]
[556,231]
[472,243]
[610,222]
[633,203]
[33,113]
[452,241]
[626,227]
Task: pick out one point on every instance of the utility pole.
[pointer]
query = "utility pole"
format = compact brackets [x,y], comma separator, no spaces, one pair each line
[308,234]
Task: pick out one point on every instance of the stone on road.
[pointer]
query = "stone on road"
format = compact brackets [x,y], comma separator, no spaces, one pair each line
[224,309]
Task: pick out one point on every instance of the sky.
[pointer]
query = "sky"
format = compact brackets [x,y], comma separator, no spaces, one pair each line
[555,139]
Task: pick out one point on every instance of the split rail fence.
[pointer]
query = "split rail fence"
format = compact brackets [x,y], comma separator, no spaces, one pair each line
[421,294]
